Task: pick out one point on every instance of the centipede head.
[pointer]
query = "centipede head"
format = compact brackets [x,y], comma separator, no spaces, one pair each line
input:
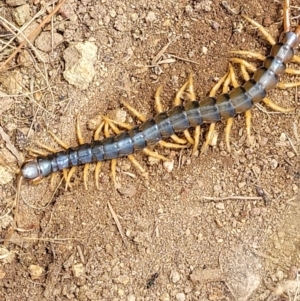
[31,171]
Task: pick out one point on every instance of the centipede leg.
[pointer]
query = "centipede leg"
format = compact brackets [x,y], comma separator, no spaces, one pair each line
[81,141]
[177,102]
[73,169]
[227,131]
[248,116]
[130,157]
[268,102]
[288,85]
[250,54]
[152,154]
[133,111]
[159,109]
[229,122]
[59,141]
[208,137]
[263,31]
[225,80]
[197,130]
[97,173]
[286,16]
[143,118]
[138,166]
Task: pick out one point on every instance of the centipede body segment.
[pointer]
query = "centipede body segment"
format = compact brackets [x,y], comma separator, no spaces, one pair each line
[180,118]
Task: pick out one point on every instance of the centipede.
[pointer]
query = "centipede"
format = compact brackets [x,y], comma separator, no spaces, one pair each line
[181,118]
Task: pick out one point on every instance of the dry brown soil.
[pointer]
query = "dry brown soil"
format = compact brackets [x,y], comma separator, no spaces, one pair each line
[177,243]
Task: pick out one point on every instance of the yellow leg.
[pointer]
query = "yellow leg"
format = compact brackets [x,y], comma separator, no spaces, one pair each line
[46,147]
[158,105]
[268,102]
[159,109]
[245,73]
[208,138]
[65,174]
[288,85]
[59,141]
[249,66]
[248,125]
[35,152]
[138,166]
[171,145]
[97,173]
[85,175]
[73,169]
[130,157]
[197,133]
[150,153]
[133,111]
[217,86]
[292,71]
[225,81]
[286,16]
[112,122]
[264,32]
[69,176]
[227,133]
[177,101]
[98,131]
[81,141]
[296,59]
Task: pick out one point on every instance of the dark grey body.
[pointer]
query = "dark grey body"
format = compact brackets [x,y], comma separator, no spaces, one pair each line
[176,120]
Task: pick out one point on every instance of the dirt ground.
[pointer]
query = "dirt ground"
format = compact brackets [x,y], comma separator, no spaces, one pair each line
[220,226]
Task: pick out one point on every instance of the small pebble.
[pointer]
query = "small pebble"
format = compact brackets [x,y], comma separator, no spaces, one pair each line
[217,188]
[290,154]
[121,293]
[164,297]
[175,276]
[134,17]
[168,165]
[112,13]
[78,269]
[220,206]
[204,50]
[242,184]
[282,137]
[273,164]
[106,20]
[35,271]
[131,298]
[180,297]
[279,275]
[150,17]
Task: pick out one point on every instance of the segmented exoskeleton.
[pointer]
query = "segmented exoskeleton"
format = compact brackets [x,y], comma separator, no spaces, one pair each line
[177,119]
